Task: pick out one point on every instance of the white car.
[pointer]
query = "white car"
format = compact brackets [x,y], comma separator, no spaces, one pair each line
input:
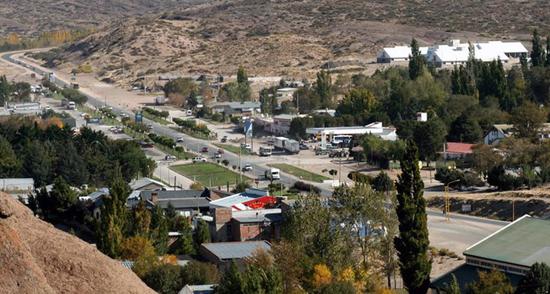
[199,159]
[179,140]
[247,167]
[217,155]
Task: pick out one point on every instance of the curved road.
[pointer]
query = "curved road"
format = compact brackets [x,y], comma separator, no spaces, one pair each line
[189,142]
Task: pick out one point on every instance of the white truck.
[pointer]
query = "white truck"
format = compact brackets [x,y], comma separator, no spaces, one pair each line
[265,151]
[160,100]
[288,145]
[273,174]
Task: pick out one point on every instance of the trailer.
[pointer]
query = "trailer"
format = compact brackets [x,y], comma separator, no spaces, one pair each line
[287,145]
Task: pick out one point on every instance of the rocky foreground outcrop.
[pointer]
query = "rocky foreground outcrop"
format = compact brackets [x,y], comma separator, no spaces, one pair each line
[35,257]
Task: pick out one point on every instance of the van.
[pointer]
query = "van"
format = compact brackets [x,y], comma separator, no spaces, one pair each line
[273,174]
[71,105]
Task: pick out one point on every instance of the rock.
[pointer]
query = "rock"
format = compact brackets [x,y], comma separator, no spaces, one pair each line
[35,257]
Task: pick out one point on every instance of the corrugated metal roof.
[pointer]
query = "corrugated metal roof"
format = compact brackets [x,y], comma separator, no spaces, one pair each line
[235,250]
[522,242]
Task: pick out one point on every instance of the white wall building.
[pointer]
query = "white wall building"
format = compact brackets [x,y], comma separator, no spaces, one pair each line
[456,53]
[376,128]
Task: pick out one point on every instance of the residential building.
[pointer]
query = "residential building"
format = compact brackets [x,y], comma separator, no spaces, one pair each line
[501,131]
[247,108]
[456,150]
[185,202]
[95,201]
[223,253]
[261,224]
[512,250]
[285,94]
[16,185]
[147,184]
[397,54]
[233,213]
[456,53]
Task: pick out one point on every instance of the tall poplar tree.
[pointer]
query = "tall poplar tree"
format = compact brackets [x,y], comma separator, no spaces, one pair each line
[416,61]
[547,62]
[412,243]
[537,52]
[113,216]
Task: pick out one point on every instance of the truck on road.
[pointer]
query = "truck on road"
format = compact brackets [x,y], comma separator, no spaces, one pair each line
[288,145]
[265,151]
[273,174]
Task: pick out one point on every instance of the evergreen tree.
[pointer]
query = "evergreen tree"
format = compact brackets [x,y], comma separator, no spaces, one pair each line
[547,58]
[9,164]
[465,129]
[412,243]
[453,287]
[159,230]
[6,89]
[141,217]
[185,242]
[231,281]
[202,234]
[417,62]
[113,216]
[536,281]
[537,51]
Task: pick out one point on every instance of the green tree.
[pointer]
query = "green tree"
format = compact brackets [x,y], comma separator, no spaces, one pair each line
[202,233]
[412,243]
[358,103]
[159,230]
[429,137]
[200,273]
[536,281]
[113,216]
[417,62]
[452,287]
[528,120]
[537,51]
[382,182]
[323,88]
[141,220]
[5,90]
[70,164]
[185,242]
[547,58]
[465,129]
[9,164]
[491,282]
[164,279]
[179,91]
[231,282]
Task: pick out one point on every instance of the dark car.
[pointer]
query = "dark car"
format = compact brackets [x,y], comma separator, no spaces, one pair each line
[304,146]
[204,149]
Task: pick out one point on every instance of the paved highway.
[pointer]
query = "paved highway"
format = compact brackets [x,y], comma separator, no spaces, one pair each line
[189,142]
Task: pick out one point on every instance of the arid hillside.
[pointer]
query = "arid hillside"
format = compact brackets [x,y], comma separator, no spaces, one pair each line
[290,38]
[29,17]
[35,257]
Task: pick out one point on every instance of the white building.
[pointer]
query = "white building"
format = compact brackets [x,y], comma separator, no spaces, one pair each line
[456,53]
[397,54]
[376,128]
[285,94]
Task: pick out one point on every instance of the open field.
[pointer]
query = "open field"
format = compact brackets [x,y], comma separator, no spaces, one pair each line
[300,173]
[208,174]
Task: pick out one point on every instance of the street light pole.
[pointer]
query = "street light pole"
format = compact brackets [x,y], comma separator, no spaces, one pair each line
[447,203]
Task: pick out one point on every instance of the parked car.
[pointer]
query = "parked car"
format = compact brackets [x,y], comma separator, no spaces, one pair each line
[247,167]
[224,139]
[246,146]
[144,144]
[204,149]
[170,157]
[179,140]
[304,146]
[217,155]
[220,151]
[199,159]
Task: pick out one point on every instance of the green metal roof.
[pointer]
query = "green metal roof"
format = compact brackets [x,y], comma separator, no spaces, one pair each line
[466,274]
[523,242]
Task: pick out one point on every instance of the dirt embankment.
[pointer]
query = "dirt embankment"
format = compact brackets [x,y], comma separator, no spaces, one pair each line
[35,257]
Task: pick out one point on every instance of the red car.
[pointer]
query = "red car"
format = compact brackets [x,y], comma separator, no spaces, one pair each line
[204,149]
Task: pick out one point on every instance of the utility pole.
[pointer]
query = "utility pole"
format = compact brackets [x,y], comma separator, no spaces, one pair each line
[447,202]
[240,170]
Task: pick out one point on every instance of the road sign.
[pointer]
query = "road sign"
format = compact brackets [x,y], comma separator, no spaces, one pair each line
[139,117]
[248,126]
